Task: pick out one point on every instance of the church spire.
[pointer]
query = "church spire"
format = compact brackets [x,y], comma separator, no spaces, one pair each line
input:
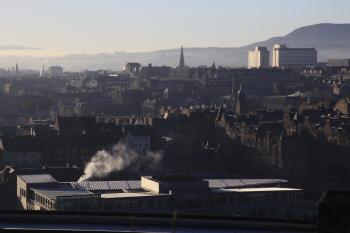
[182,59]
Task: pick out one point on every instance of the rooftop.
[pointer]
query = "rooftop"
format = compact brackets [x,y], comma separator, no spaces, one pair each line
[136,184]
[38,178]
[20,144]
[72,125]
[236,183]
[174,178]
[62,190]
[131,194]
[247,190]
[107,185]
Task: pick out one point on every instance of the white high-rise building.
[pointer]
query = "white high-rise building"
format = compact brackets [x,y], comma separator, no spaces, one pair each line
[259,57]
[282,56]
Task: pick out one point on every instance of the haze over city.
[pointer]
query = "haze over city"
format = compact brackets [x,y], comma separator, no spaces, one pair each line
[60,27]
[175,115]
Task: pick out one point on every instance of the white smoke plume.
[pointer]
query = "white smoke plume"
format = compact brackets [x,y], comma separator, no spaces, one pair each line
[120,157]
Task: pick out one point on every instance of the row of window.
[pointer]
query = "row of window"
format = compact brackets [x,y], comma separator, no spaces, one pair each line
[72,151]
[135,204]
[141,146]
[206,202]
[22,192]
[281,213]
[44,201]
[284,197]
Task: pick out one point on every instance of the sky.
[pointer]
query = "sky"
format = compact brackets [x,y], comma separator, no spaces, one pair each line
[95,26]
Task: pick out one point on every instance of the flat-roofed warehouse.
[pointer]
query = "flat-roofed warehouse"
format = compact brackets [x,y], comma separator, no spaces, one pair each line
[43,192]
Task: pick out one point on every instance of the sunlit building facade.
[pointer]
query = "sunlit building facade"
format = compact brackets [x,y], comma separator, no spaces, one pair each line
[258,58]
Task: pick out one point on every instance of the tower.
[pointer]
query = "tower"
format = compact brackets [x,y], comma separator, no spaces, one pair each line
[233,90]
[42,71]
[240,103]
[181,69]
[16,69]
[212,71]
[182,59]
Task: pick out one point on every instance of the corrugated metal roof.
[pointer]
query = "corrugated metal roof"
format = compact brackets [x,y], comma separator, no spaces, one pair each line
[130,195]
[118,185]
[216,183]
[233,182]
[81,185]
[262,181]
[101,185]
[60,191]
[264,189]
[107,185]
[225,183]
[136,184]
[38,178]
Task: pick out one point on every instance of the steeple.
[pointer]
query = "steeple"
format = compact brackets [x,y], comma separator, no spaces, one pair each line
[42,71]
[233,90]
[240,102]
[182,59]
[181,70]
[17,69]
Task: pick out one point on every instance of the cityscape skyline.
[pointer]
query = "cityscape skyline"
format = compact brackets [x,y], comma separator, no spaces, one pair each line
[65,27]
[220,112]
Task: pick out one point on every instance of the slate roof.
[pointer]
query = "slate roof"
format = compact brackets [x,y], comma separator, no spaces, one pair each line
[73,125]
[20,144]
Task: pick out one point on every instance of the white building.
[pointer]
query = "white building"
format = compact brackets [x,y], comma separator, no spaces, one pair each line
[132,67]
[43,192]
[282,56]
[340,62]
[258,58]
[55,71]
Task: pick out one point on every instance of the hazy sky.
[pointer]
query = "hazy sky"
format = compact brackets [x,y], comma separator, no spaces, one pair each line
[142,25]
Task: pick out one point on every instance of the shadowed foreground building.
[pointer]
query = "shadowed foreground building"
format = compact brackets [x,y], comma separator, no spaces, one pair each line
[163,194]
[43,192]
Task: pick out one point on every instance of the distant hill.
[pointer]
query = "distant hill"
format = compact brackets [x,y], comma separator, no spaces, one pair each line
[330,40]
[17,47]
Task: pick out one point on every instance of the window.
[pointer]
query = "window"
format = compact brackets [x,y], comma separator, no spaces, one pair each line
[22,192]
